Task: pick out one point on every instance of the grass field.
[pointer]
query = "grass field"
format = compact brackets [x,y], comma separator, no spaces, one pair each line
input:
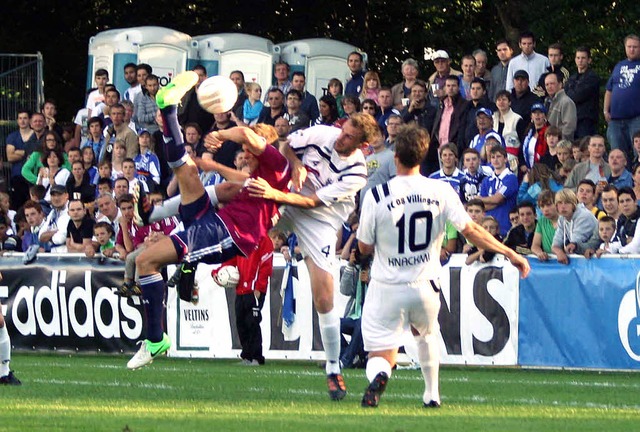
[97,393]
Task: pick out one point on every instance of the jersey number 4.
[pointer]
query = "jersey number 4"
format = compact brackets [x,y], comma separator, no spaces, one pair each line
[415,244]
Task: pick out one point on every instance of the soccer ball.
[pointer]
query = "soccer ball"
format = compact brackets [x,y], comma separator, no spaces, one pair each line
[217,94]
[228,277]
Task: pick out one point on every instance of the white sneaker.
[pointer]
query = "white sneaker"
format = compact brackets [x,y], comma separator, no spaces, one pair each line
[148,351]
[141,358]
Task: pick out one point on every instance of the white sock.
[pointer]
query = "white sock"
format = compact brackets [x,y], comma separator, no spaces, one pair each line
[429,356]
[329,324]
[375,365]
[171,207]
[5,351]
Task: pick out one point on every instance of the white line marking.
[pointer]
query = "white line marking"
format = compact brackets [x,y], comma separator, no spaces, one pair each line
[102,384]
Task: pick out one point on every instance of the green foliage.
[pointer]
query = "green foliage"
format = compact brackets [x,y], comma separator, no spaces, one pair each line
[98,393]
[389,31]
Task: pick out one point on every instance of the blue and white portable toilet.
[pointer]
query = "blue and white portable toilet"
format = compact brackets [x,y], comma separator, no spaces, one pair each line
[320,60]
[223,53]
[166,51]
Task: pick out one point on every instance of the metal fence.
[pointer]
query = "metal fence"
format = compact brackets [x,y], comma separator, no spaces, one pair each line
[21,86]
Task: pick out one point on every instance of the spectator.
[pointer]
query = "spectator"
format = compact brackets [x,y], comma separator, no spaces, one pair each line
[619,177]
[79,185]
[356,82]
[392,124]
[371,87]
[79,229]
[36,219]
[129,71]
[537,180]
[129,173]
[101,78]
[583,87]
[276,109]
[32,167]
[37,193]
[103,234]
[437,80]
[468,66]
[252,106]
[119,155]
[528,60]
[609,199]
[562,110]
[54,231]
[190,110]
[587,195]
[52,173]
[481,70]
[522,98]
[472,179]
[309,103]
[297,117]
[328,110]
[283,128]
[621,108]
[370,107]
[419,110]
[542,242]
[335,90]
[556,56]
[550,158]
[109,213]
[350,106]
[508,123]
[124,244]
[120,131]
[577,228]
[281,73]
[449,172]
[353,283]
[484,123]
[499,71]
[385,103]
[145,106]
[380,167]
[595,169]
[475,254]
[8,242]
[534,146]
[499,191]
[147,164]
[402,90]
[610,242]
[237,76]
[630,212]
[520,237]
[95,138]
[19,146]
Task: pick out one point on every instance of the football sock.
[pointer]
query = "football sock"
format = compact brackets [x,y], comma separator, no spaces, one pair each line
[429,356]
[152,299]
[171,207]
[329,324]
[173,142]
[375,365]
[5,351]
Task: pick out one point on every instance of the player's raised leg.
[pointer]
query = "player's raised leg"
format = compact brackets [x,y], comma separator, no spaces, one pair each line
[183,166]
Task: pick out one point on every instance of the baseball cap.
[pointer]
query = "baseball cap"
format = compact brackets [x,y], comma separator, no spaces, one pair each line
[144,131]
[521,74]
[440,54]
[496,136]
[538,107]
[58,189]
[485,111]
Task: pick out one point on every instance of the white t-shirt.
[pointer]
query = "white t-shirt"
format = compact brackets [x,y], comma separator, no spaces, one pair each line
[334,179]
[93,100]
[405,220]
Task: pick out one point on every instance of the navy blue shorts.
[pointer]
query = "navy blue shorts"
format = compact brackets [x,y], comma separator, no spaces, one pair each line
[205,238]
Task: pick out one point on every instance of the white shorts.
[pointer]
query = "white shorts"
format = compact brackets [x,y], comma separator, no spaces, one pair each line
[316,239]
[389,310]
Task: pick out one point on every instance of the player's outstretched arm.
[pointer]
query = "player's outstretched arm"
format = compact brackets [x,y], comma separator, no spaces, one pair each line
[259,188]
[483,240]
[242,135]
[298,171]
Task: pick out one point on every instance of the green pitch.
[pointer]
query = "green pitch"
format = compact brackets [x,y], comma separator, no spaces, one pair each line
[97,393]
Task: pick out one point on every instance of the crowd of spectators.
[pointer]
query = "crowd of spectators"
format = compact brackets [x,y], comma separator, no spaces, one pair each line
[514,139]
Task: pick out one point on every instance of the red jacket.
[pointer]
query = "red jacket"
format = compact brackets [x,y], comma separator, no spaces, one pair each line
[254,270]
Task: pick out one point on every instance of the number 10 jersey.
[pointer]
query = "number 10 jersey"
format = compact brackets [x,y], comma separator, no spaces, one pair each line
[405,220]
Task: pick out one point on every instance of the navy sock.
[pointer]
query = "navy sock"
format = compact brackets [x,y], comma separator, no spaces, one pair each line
[173,144]
[152,299]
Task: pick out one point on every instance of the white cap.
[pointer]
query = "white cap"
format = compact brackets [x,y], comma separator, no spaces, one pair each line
[440,54]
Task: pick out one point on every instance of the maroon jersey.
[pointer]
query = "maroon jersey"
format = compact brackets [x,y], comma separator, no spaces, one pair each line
[249,219]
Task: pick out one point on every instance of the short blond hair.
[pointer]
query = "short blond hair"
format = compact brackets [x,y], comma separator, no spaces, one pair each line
[368,125]
[567,196]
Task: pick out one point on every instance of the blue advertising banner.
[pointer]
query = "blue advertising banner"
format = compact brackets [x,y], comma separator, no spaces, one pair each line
[584,315]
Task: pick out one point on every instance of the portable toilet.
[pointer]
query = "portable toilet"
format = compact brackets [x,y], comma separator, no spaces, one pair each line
[223,53]
[166,51]
[320,60]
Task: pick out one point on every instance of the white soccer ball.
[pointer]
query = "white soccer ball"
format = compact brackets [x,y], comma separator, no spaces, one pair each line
[228,277]
[217,94]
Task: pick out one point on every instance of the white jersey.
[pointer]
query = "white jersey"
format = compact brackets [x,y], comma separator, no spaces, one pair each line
[405,220]
[333,178]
